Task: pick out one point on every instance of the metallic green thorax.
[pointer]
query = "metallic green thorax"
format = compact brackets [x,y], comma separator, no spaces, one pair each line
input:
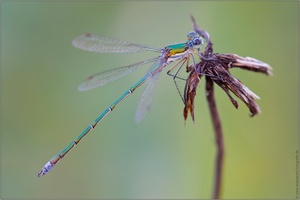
[176,49]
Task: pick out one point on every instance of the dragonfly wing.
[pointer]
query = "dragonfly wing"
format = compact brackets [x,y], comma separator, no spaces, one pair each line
[105,44]
[145,101]
[105,77]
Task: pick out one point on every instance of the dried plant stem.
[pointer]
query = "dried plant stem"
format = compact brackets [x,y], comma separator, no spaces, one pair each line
[219,137]
[215,68]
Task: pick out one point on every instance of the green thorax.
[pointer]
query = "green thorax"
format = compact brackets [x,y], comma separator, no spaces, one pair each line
[176,49]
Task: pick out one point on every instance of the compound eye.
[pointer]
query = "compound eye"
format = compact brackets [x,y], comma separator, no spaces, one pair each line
[197,41]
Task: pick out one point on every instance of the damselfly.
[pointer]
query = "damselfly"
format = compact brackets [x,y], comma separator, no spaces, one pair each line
[180,52]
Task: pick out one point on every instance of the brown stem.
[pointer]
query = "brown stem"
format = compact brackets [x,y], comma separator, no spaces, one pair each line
[219,137]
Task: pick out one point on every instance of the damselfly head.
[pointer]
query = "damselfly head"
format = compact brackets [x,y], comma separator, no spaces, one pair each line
[194,40]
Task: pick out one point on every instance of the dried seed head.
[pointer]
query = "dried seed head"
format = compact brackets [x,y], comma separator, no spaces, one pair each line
[215,67]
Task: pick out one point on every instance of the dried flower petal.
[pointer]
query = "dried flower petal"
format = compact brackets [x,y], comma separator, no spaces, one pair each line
[247,63]
[226,81]
[190,93]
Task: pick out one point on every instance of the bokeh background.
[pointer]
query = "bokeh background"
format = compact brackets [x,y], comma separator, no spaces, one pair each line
[161,157]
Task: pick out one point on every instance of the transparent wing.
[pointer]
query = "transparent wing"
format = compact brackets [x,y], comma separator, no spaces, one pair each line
[105,44]
[105,77]
[145,101]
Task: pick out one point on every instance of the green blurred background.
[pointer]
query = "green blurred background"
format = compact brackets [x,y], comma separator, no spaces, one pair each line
[161,157]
